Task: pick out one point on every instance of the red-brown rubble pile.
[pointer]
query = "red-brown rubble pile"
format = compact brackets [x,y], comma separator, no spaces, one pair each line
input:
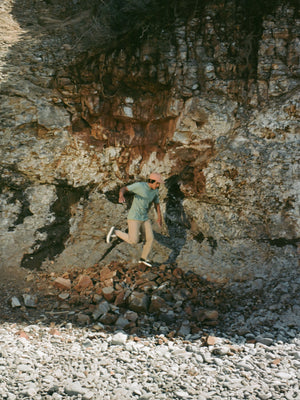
[135,298]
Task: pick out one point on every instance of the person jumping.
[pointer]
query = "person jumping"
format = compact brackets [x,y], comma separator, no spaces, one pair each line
[144,194]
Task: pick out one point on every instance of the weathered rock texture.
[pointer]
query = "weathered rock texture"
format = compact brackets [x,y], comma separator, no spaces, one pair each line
[210,101]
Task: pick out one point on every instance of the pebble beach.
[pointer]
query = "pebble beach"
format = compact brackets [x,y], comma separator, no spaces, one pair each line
[39,362]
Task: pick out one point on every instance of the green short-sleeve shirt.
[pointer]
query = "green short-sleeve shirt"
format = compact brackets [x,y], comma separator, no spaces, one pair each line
[143,197]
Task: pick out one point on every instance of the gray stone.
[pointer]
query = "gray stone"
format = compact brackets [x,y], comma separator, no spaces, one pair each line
[121,322]
[30,300]
[184,329]
[74,389]
[264,340]
[101,309]
[15,302]
[119,338]
[139,302]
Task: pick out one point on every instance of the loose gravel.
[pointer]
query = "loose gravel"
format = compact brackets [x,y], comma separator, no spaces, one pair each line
[38,362]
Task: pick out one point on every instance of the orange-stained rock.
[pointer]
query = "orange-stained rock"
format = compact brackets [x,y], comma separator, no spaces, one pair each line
[84,282]
[157,304]
[276,361]
[177,272]
[211,314]
[107,273]
[211,340]
[22,334]
[62,283]
[54,332]
[108,282]
[120,298]
[108,293]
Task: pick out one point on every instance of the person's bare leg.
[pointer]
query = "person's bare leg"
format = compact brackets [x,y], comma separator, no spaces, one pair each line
[149,239]
[132,237]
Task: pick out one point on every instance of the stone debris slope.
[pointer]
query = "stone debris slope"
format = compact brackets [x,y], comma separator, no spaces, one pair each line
[136,298]
[163,299]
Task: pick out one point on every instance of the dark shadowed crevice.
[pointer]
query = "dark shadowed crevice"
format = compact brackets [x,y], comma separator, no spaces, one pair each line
[199,237]
[213,243]
[113,195]
[18,196]
[281,242]
[58,231]
[175,218]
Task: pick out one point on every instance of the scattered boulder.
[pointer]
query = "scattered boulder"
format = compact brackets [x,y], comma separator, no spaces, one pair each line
[138,301]
[30,300]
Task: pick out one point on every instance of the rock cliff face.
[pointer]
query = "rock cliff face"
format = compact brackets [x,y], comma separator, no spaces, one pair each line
[211,101]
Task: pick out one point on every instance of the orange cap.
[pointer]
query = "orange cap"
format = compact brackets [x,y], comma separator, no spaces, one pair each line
[156,177]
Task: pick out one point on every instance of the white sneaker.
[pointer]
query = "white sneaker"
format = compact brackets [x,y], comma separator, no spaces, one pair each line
[110,234]
[146,262]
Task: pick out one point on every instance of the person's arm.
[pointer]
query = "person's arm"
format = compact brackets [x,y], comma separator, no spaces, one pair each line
[122,191]
[159,216]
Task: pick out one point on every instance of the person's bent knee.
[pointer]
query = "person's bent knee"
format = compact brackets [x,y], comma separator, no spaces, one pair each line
[133,241]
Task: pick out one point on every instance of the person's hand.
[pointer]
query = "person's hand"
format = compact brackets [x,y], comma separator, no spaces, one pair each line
[122,191]
[122,199]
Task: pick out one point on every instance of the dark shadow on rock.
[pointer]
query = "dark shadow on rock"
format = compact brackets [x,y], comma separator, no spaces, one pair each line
[57,231]
[175,219]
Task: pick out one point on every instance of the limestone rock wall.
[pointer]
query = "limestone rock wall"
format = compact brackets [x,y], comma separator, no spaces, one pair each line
[211,103]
